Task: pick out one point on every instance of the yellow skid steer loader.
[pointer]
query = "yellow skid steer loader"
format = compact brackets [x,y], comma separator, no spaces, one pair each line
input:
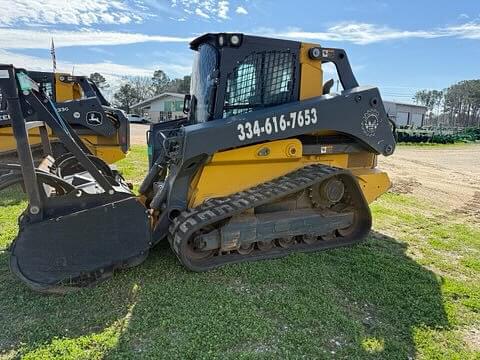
[266,162]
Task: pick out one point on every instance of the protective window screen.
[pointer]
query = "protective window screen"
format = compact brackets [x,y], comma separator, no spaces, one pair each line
[47,88]
[262,79]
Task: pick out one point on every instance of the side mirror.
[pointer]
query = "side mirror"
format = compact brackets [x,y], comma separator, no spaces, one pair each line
[186,104]
[328,86]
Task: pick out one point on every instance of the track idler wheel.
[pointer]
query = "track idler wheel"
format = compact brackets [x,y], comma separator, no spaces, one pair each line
[246,249]
[310,239]
[349,230]
[195,247]
[328,192]
[328,237]
[286,242]
[265,245]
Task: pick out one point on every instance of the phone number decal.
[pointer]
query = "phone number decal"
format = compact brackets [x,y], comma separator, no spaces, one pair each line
[274,124]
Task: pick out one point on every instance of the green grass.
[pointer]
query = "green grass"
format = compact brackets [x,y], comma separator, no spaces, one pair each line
[456,144]
[411,290]
[134,167]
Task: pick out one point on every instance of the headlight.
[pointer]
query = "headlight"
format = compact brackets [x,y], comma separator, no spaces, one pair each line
[235,40]
[221,40]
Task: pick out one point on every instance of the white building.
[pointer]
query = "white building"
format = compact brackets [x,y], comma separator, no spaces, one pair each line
[163,107]
[406,114]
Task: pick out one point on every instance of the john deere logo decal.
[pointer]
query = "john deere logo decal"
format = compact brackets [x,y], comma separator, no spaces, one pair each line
[370,122]
[94,118]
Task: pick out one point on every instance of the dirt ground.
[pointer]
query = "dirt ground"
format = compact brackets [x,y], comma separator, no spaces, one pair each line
[447,176]
[138,134]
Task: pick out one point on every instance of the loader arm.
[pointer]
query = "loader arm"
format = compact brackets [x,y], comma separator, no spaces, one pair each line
[70,235]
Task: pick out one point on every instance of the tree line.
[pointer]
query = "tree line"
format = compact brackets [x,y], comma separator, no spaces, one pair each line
[136,89]
[456,106]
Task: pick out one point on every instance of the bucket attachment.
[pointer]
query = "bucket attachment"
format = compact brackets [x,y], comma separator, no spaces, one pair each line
[82,221]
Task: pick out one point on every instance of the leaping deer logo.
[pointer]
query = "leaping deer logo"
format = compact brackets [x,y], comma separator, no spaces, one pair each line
[94,118]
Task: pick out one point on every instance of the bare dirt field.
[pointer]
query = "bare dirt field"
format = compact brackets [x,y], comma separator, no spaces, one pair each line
[448,176]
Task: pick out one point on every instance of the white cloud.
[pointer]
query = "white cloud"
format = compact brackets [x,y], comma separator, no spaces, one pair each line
[108,69]
[31,39]
[223,7]
[206,9]
[100,50]
[92,12]
[73,12]
[241,10]
[363,33]
[180,19]
[114,73]
[200,13]
[470,30]
[356,33]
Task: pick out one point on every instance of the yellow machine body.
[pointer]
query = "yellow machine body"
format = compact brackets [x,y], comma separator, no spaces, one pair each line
[234,170]
[66,91]
[106,148]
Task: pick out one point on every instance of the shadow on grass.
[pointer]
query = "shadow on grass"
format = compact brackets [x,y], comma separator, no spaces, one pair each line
[360,302]
[13,195]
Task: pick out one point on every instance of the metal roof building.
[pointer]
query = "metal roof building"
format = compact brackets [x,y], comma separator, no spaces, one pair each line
[404,114]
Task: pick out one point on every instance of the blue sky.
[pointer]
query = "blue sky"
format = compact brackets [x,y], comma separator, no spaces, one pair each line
[399,46]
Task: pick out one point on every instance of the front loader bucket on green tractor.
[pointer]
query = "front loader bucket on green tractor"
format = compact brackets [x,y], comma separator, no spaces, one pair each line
[82,221]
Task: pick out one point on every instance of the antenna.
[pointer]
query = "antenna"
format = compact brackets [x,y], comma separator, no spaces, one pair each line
[54,57]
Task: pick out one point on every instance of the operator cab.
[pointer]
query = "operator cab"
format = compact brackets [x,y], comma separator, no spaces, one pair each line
[234,74]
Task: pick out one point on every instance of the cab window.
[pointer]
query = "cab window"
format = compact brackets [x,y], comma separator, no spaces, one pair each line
[262,79]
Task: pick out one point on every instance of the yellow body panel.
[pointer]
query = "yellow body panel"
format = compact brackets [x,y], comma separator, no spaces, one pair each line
[106,148]
[7,140]
[373,182]
[66,91]
[239,169]
[311,78]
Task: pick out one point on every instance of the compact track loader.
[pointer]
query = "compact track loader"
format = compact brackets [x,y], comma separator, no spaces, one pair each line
[103,129]
[267,162]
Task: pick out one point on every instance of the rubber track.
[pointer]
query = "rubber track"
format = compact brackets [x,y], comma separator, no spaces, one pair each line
[218,209]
